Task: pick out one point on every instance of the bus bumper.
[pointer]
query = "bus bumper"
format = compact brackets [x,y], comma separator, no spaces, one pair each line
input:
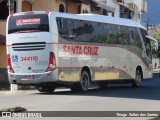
[33,78]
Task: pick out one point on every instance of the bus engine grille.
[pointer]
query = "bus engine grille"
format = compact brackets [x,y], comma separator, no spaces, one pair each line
[29,46]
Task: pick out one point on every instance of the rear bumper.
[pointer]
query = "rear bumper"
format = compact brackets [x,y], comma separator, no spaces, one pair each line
[36,78]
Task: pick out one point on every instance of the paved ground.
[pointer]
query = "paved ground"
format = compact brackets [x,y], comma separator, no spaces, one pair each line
[114,98]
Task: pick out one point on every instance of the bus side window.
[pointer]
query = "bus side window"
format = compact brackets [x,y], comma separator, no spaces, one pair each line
[107,30]
[131,36]
[61,23]
[71,27]
[114,35]
[79,30]
[62,27]
[97,32]
[148,49]
[136,41]
[123,35]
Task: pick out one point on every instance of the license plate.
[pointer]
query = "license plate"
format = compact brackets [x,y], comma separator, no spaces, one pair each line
[30,77]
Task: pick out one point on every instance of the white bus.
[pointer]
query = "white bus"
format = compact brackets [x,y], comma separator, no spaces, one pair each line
[51,49]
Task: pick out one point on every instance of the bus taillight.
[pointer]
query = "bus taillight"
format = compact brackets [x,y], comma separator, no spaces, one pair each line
[10,69]
[52,62]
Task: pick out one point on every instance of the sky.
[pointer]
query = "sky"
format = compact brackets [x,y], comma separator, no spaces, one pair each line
[153,12]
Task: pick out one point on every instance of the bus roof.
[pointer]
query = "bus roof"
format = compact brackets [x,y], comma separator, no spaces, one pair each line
[91,17]
[100,18]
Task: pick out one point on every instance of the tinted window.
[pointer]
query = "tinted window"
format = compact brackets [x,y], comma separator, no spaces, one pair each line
[83,30]
[62,27]
[123,35]
[28,23]
[96,32]
[146,43]
[134,37]
[110,34]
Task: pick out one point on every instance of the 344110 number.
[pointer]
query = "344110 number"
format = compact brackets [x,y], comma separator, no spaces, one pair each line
[29,58]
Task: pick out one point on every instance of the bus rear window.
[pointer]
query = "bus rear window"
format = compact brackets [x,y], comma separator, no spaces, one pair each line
[28,23]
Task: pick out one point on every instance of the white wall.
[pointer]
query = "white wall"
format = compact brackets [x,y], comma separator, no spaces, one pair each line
[115,5]
[85,8]
[139,4]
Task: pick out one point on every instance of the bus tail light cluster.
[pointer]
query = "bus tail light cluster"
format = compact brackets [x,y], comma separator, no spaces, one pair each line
[52,62]
[10,69]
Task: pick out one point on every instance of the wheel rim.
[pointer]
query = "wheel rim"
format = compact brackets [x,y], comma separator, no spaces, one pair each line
[138,78]
[84,81]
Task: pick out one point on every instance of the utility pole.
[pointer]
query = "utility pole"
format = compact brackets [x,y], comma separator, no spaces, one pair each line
[147,24]
[11,6]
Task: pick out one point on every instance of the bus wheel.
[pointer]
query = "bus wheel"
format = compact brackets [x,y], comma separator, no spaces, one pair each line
[45,89]
[84,82]
[138,78]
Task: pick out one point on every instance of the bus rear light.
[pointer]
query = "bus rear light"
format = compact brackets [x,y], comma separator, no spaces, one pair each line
[10,69]
[52,62]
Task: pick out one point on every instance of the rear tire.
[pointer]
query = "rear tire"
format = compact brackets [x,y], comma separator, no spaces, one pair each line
[138,79]
[84,83]
[45,89]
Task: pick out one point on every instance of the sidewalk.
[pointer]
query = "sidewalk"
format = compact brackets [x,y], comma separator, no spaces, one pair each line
[8,92]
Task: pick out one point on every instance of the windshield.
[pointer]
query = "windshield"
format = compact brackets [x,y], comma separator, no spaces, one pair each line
[146,43]
[28,23]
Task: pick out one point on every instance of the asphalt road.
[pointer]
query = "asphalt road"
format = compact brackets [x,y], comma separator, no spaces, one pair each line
[114,98]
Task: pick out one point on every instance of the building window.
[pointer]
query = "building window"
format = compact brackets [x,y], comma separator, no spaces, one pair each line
[61,8]
[125,12]
[26,6]
[4,10]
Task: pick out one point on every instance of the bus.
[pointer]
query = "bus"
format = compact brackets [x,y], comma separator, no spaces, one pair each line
[51,49]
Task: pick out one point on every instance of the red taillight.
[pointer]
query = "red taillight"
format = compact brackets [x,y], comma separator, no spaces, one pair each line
[10,69]
[52,62]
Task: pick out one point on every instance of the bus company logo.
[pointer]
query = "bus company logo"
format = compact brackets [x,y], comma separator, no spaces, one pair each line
[81,50]
[14,58]
[28,21]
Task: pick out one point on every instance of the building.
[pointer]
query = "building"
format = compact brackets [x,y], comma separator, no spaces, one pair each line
[114,5]
[130,9]
[133,9]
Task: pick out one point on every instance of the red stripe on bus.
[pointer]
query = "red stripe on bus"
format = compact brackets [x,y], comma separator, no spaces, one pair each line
[97,45]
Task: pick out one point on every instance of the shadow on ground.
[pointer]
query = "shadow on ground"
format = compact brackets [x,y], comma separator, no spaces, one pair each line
[150,89]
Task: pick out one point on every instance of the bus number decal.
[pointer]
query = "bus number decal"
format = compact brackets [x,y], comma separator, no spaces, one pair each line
[30,58]
[79,50]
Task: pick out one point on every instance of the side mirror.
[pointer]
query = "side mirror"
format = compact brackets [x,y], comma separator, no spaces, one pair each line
[154,40]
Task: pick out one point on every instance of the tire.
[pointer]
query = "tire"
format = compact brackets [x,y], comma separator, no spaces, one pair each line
[45,89]
[84,83]
[138,79]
